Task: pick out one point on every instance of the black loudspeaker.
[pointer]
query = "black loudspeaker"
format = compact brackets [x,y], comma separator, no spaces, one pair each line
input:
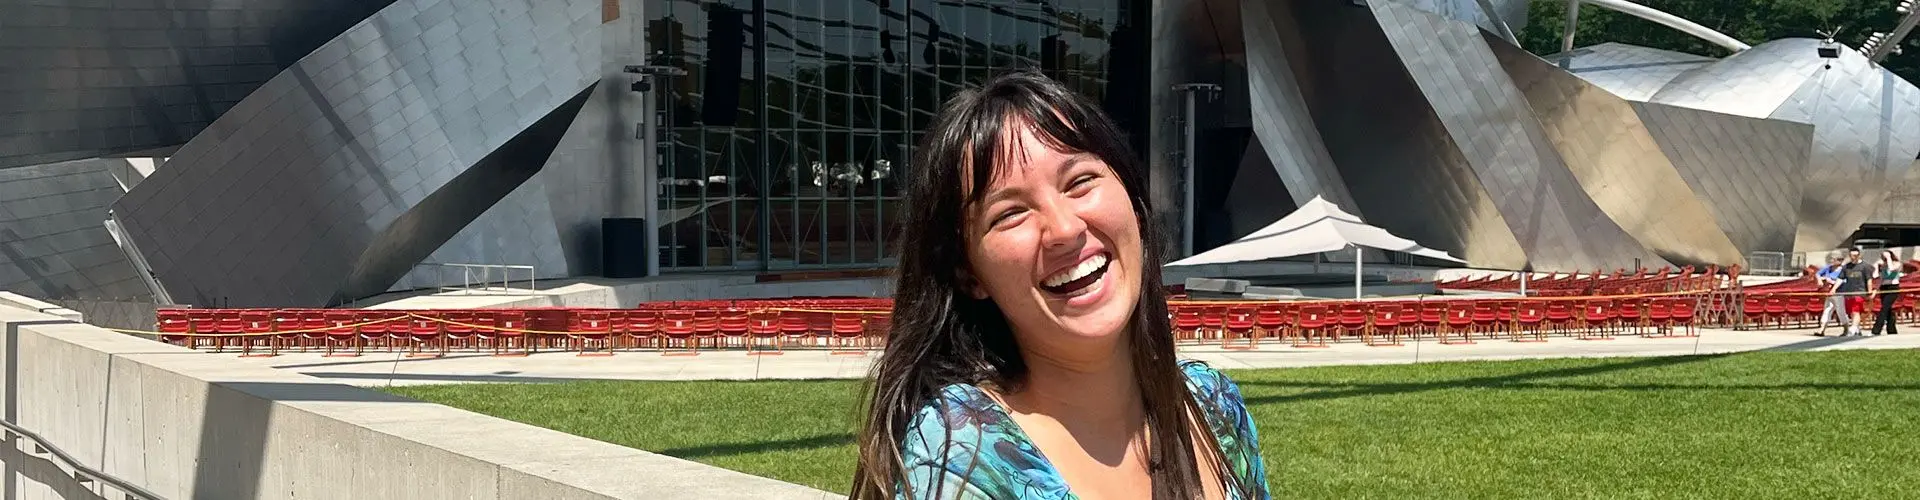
[623,247]
[726,38]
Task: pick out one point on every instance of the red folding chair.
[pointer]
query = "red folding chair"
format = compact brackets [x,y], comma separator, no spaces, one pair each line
[1681,313]
[1386,319]
[1596,320]
[508,330]
[849,329]
[1312,325]
[422,331]
[203,322]
[1459,319]
[677,325]
[341,331]
[1530,316]
[175,326]
[1239,322]
[457,326]
[763,327]
[257,327]
[643,326]
[795,326]
[1270,321]
[733,327]
[1187,323]
[590,328]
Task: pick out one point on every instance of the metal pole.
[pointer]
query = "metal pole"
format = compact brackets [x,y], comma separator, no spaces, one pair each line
[1356,271]
[1566,38]
[1186,172]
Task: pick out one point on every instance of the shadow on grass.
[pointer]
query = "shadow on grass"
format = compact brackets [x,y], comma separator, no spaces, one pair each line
[1495,381]
[714,450]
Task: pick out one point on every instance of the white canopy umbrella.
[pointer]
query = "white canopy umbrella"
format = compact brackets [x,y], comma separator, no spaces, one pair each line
[1317,227]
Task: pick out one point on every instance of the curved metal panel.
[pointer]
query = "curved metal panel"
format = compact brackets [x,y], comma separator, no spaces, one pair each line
[318,165]
[1617,162]
[83,80]
[1753,83]
[1632,72]
[1866,132]
[1749,172]
[1513,13]
[1401,165]
[1279,113]
[53,240]
[1552,217]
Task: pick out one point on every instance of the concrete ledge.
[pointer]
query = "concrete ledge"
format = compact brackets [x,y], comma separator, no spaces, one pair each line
[627,293]
[17,301]
[186,424]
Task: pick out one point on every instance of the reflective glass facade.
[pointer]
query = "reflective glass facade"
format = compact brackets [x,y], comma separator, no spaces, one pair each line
[783,144]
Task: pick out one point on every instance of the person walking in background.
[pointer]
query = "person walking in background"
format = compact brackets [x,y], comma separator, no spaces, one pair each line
[1829,279]
[1888,272]
[1855,277]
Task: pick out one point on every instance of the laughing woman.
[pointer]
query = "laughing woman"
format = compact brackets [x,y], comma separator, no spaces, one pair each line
[1030,355]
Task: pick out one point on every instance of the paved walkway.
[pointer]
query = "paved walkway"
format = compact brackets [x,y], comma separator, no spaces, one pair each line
[381,369]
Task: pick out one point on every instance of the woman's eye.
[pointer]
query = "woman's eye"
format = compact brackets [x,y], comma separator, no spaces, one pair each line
[1003,216]
[1080,184]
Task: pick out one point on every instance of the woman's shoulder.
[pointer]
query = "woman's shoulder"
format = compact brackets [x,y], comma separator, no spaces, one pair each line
[1205,379]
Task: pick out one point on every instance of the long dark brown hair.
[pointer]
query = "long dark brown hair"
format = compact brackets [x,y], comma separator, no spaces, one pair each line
[943,336]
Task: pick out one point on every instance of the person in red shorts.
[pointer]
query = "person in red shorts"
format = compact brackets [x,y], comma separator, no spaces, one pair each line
[1855,278]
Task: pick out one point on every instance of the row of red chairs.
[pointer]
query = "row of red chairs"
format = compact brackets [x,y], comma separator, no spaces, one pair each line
[1448,321]
[1782,310]
[517,331]
[1597,283]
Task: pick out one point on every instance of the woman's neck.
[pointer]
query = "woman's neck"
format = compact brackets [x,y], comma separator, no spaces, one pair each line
[1097,386]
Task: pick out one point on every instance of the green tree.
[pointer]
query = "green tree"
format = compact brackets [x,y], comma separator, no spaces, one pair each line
[1751,21]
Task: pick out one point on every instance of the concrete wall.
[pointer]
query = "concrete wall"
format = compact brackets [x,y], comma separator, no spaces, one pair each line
[627,293]
[188,424]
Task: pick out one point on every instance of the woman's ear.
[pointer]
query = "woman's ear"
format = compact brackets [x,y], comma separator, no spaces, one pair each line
[971,286]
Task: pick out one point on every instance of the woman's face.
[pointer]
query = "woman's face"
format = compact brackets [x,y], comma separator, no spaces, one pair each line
[1054,243]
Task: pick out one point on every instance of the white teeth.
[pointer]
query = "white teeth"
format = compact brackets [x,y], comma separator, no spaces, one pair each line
[1085,268]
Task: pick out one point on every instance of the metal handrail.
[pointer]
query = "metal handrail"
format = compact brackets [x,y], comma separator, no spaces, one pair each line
[486,282]
[81,472]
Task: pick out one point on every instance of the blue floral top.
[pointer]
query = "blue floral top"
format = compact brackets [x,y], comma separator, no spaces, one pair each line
[966,445]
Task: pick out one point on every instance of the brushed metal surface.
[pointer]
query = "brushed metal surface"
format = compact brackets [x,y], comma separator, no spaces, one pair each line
[1401,166]
[1629,71]
[371,153]
[53,240]
[1866,124]
[1512,12]
[1551,216]
[85,79]
[1752,83]
[1617,161]
[1866,131]
[1281,120]
[1749,172]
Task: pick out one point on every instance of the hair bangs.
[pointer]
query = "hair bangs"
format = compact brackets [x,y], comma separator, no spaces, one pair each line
[996,135]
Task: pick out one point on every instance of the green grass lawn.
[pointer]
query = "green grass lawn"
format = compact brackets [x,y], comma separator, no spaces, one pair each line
[1840,424]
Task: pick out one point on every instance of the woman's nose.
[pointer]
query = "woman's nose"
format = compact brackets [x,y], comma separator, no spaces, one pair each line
[1064,227]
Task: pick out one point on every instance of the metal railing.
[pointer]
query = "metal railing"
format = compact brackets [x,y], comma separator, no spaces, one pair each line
[483,277]
[1771,264]
[81,472]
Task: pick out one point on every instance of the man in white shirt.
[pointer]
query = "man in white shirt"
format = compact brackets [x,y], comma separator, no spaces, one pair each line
[1836,307]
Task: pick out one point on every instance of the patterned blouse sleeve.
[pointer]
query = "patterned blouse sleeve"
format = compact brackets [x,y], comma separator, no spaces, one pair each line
[1239,437]
[937,459]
